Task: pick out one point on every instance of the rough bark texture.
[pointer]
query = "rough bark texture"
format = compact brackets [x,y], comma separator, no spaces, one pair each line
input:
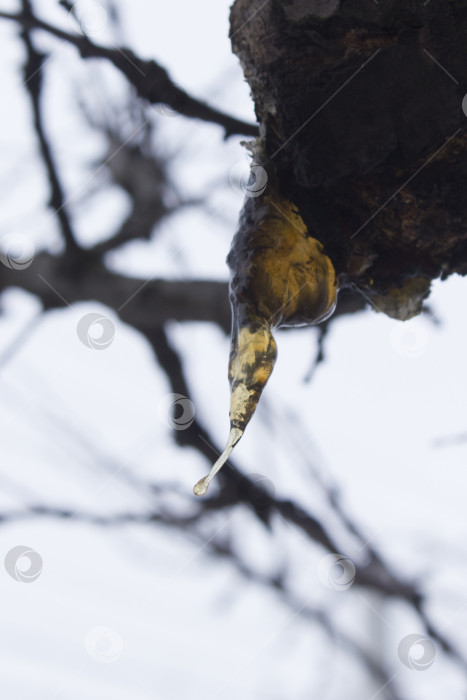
[360,107]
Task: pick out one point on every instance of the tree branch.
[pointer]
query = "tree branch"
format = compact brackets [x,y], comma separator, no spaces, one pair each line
[143,303]
[33,84]
[150,79]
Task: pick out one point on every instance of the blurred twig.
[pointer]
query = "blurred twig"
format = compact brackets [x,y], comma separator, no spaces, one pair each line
[33,84]
[150,79]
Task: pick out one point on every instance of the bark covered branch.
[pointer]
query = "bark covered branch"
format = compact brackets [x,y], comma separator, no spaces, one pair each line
[360,107]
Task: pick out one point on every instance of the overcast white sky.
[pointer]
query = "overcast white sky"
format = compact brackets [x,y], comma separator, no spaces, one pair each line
[146,600]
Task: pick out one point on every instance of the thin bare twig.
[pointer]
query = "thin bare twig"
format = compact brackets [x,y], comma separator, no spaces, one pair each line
[33,84]
[149,78]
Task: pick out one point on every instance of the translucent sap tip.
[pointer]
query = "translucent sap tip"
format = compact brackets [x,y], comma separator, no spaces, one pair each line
[201,487]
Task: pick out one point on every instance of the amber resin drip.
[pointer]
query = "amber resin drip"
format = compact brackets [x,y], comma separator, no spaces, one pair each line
[252,358]
[280,277]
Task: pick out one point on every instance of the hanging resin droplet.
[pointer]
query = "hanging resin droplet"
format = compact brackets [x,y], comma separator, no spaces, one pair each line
[280,277]
[252,359]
